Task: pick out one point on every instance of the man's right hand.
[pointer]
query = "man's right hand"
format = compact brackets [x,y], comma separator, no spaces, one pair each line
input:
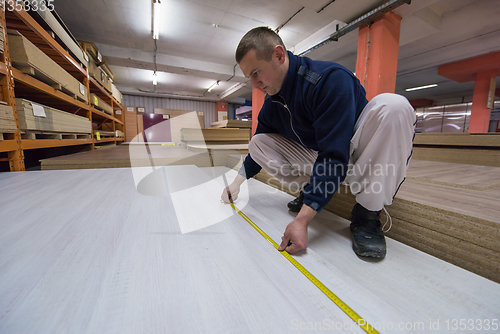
[233,190]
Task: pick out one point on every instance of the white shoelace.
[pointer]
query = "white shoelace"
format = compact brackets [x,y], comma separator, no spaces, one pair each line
[388,219]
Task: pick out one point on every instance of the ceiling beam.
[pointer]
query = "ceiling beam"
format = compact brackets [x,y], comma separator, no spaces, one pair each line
[118,56]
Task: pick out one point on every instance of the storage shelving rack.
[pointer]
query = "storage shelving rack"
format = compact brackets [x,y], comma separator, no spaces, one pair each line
[17,84]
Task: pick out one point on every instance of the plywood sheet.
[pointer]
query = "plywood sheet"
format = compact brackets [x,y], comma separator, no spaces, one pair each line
[66,271]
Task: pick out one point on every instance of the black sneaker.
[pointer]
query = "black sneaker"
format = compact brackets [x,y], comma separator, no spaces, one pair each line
[367,236]
[296,204]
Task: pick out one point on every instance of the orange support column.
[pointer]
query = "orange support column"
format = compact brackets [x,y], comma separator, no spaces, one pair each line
[377,60]
[258,97]
[484,92]
[483,70]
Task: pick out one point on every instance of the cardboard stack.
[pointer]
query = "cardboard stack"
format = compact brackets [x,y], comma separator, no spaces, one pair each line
[7,121]
[98,103]
[27,58]
[53,121]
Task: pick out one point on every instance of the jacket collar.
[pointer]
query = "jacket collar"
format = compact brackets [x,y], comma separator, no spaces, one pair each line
[288,85]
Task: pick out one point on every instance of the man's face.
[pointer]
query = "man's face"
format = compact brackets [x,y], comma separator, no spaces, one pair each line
[266,75]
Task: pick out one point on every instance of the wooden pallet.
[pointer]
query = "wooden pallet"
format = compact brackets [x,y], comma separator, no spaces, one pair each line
[31,135]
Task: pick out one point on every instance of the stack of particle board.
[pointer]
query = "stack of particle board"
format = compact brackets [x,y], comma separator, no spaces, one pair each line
[98,103]
[463,148]
[231,123]
[7,121]
[215,136]
[104,134]
[180,119]
[55,25]
[119,134]
[54,120]
[1,39]
[27,58]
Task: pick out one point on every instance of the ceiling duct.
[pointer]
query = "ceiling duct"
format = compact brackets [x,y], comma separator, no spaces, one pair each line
[362,20]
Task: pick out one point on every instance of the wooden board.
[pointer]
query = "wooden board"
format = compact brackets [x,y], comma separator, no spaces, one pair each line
[98,103]
[481,156]
[55,120]
[27,57]
[66,271]
[458,139]
[231,123]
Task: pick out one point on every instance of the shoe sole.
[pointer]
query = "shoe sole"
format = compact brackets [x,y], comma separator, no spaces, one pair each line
[372,254]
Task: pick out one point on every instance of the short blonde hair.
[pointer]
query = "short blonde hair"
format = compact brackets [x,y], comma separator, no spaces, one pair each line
[261,39]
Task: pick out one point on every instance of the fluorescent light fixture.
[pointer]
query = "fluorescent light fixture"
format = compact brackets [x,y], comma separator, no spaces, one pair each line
[155,78]
[232,89]
[213,85]
[421,87]
[156,19]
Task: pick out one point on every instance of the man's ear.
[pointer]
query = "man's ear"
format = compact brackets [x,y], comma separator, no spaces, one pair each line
[280,53]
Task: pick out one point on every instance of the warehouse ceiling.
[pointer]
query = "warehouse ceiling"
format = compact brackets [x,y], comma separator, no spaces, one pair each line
[198,39]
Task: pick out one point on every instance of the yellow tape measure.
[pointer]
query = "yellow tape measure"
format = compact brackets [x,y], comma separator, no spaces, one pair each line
[343,306]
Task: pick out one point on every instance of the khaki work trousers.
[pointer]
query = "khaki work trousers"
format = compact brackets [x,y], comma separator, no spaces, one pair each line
[380,151]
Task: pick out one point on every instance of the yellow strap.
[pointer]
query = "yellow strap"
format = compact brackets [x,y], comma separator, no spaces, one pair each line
[343,306]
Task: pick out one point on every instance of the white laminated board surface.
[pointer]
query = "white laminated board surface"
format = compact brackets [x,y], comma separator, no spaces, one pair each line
[76,260]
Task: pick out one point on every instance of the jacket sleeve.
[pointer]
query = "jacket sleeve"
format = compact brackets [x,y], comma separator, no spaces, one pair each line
[250,168]
[334,113]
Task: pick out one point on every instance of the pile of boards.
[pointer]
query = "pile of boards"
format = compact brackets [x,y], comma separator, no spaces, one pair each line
[98,103]
[29,59]
[220,133]
[463,148]
[36,117]
[99,70]
[7,121]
